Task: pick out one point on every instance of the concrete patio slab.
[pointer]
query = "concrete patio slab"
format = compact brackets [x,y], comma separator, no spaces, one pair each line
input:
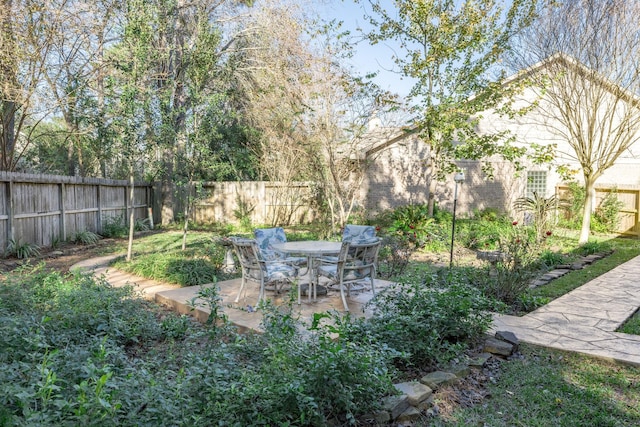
[584,320]
[243,315]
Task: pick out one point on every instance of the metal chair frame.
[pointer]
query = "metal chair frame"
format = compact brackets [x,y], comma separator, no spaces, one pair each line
[354,263]
[255,267]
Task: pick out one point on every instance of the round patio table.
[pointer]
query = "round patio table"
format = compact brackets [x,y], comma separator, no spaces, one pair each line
[312,249]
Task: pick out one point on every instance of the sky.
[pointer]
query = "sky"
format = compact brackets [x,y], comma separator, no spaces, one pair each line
[368,58]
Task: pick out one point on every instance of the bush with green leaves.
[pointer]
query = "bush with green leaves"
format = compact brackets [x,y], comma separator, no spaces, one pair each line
[181,268]
[413,224]
[511,275]
[481,233]
[606,216]
[84,237]
[22,250]
[114,227]
[427,323]
[592,247]
[550,259]
[142,224]
[76,351]
[393,258]
[571,205]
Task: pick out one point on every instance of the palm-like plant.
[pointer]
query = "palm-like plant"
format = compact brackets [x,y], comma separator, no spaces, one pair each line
[541,208]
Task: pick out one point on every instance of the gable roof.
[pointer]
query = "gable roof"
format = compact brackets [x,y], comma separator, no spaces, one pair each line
[579,68]
[390,138]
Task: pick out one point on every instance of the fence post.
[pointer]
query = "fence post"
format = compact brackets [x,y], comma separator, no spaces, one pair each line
[10,212]
[63,212]
[99,202]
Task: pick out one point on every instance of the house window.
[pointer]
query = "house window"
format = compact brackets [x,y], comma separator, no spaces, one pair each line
[537,182]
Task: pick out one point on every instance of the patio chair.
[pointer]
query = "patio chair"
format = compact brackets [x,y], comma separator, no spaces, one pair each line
[256,268]
[355,234]
[266,237]
[356,263]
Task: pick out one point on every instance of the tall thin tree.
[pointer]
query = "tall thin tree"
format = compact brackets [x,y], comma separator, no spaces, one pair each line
[588,92]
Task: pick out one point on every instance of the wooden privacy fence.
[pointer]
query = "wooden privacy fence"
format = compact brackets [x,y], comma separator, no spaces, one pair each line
[43,209]
[629,214]
[259,202]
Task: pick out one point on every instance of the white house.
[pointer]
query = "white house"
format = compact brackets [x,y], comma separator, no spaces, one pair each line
[398,173]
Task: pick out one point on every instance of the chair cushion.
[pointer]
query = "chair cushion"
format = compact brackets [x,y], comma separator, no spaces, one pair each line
[280,270]
[266,237]
[359,234]
[330,271]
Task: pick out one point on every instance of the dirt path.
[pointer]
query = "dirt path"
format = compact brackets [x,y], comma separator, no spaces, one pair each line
[64,256]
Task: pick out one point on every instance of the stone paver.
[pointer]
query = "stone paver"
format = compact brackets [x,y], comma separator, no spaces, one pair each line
[583,321]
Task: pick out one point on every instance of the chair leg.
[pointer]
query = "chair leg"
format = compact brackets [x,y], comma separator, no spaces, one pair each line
[242,284]
[344,300]
[261,294]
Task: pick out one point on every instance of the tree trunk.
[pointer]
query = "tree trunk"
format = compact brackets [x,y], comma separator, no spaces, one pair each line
[132,214]
[187,212]
[8,134]
[585,230]
[431,188]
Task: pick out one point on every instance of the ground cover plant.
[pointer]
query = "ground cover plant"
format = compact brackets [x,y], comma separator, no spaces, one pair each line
[160,256]
[78,352]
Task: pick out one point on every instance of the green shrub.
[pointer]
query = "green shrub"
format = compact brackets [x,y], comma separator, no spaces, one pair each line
[592,247]
[76,351]
[142,224]
[84,237]
[429,323]
[180,268]
[550,259]
[191,272]
[481,234]
[605,219]
[22,250]
[394,256]
[528,303]
[487,214]
[506,282]
[114,227]
[413,224]
[510,276]
[572,205]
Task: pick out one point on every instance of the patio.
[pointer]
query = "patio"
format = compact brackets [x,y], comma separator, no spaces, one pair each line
[179,298]
[246,320]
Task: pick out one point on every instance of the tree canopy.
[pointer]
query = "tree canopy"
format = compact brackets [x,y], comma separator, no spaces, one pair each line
[452,49]
[588,91]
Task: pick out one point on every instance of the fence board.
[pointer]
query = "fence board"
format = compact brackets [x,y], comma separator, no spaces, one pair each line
[43,209]
[629,214]
[261,202]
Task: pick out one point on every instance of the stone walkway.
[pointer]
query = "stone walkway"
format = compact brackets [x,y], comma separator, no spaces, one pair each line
[585,319]
[582,321]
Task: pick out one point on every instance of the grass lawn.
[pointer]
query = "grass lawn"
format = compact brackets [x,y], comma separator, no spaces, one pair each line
[552,388]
